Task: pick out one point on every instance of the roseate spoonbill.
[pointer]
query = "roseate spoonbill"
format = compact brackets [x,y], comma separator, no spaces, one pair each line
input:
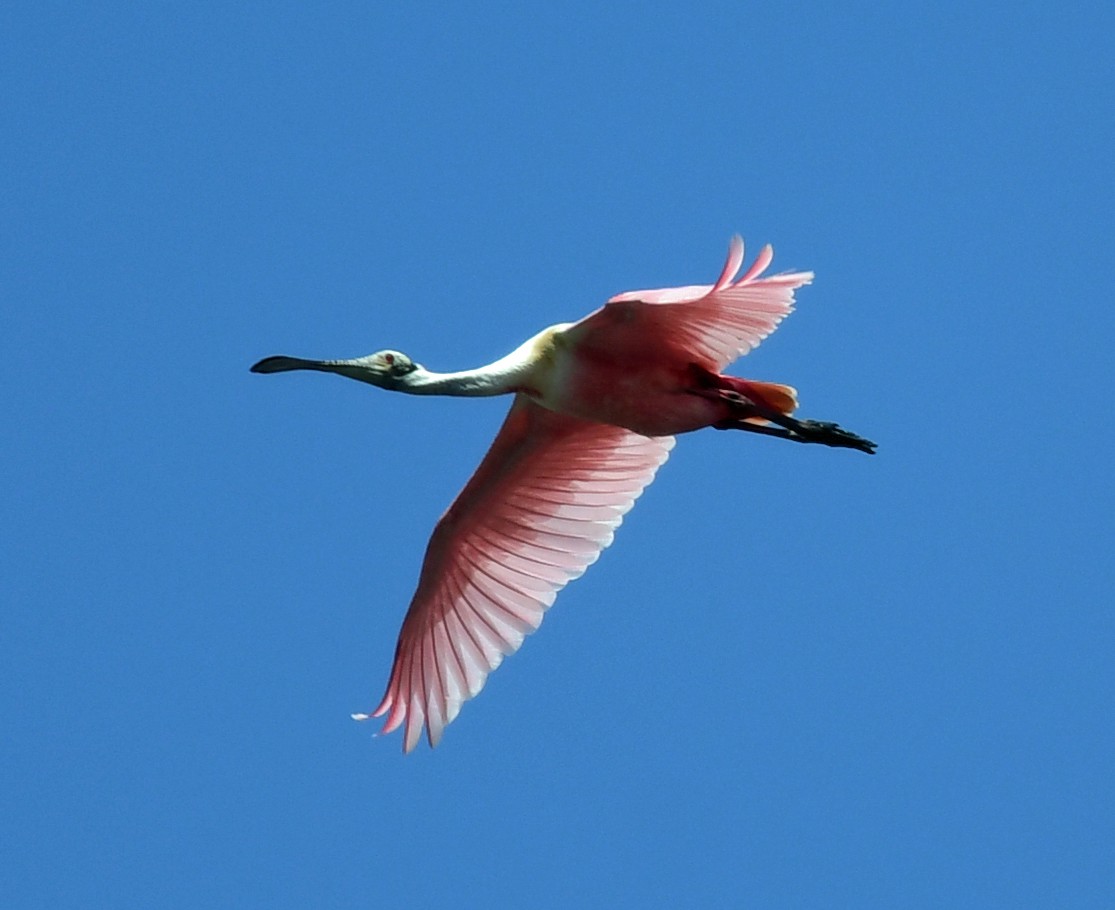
[597,403]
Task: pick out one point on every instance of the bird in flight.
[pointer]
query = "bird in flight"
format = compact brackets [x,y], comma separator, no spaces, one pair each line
[597,404]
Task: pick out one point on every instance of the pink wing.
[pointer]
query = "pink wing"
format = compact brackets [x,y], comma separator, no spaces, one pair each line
[708,324]
[544,502]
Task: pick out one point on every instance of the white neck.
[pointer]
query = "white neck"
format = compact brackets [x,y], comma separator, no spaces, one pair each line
[508,374]
[473,383]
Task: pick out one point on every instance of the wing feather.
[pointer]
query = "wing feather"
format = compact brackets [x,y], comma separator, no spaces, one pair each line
[707,324]
[544,502]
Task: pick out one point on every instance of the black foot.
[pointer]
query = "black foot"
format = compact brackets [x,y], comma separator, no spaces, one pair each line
[829,434]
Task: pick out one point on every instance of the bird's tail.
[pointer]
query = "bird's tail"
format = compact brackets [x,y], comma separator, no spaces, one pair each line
[781,398]
[772,397]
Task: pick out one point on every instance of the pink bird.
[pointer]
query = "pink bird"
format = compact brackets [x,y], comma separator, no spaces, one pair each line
[597,404]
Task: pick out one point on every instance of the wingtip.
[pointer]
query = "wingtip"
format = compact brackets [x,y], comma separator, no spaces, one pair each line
[760,265]
[731,264]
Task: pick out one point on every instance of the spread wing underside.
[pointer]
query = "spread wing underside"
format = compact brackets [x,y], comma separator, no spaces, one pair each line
[544,502]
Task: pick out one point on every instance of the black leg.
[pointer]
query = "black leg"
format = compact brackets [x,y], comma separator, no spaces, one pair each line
[761,428]
[807,431]
[708,385]
[822,432]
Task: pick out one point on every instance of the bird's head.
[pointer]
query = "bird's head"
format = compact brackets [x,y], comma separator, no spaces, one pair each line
[386,366]
[386,369]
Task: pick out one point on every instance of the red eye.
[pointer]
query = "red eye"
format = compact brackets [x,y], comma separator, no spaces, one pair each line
[390,358]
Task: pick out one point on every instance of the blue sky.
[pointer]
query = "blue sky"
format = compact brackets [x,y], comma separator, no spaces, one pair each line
[800,678]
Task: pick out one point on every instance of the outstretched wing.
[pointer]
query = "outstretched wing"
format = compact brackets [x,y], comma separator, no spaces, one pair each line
[544,502]
[709,324]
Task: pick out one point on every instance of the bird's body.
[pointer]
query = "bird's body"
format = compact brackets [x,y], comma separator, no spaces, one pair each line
[644,392]
[597,404]
[629,388]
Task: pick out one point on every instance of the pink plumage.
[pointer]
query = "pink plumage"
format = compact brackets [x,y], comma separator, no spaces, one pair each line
[597,404]
[544,502]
